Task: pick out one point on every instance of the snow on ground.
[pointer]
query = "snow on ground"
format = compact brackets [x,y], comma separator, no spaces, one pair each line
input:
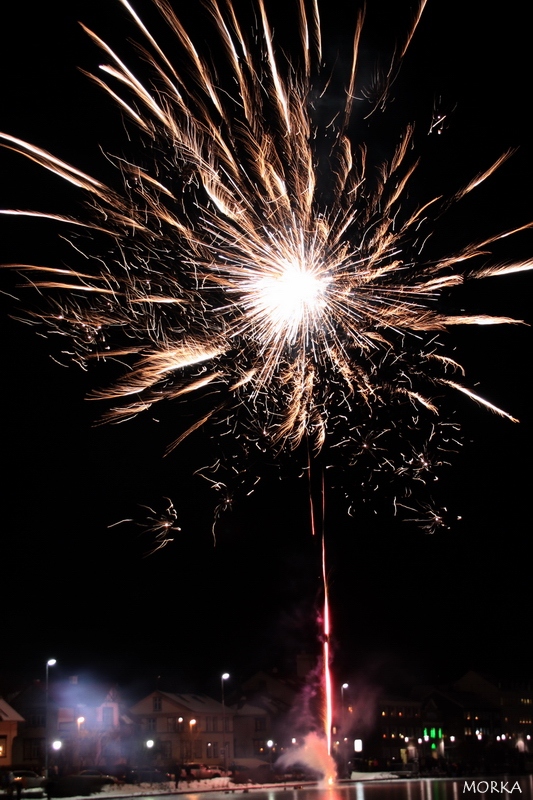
[113,792]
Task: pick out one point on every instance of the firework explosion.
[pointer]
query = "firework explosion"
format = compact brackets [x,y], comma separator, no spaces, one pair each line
[237,279]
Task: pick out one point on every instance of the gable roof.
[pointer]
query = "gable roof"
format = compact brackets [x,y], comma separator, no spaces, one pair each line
[8,714]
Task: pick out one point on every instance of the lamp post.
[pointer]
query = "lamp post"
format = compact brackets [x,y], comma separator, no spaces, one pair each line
[79,721]
[270,745]
[192,723]
[344,686]
[224,677]
[50,663]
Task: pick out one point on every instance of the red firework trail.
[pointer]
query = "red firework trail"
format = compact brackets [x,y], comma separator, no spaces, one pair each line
[326,621]
[328,710]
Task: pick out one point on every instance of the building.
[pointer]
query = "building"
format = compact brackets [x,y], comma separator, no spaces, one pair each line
[180,728]
[9,723]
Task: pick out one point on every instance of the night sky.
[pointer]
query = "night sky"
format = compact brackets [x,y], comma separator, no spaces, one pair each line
[405,604]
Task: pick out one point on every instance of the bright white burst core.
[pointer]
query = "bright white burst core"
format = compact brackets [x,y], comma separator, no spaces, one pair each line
[291,300]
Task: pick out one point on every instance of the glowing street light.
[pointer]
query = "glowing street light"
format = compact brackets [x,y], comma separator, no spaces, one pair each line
[50,663]
[224,677]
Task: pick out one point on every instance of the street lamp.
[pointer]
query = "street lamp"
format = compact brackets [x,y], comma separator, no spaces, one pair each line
[192,723]
[50,663]
[224,677]
[79,721]
[344,686]
[270,745]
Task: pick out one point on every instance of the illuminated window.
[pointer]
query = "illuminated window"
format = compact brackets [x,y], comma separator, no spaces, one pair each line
[3,746]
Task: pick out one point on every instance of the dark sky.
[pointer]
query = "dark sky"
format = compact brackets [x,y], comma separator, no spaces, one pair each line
[403,602]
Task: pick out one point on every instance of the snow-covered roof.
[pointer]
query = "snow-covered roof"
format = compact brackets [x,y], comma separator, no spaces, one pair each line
[8,714]
[198,703]
[247,710]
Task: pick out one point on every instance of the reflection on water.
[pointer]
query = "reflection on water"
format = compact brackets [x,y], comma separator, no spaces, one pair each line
[434,789]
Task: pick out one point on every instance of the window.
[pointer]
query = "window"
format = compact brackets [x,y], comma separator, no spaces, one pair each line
[166,749]
[197,748]
[171,724]
[259,747]
[208,724]
[3,746]
[33,750]
[151,724]
[35,720]
[215,724]
[211,750]
[157,703]
[260,723]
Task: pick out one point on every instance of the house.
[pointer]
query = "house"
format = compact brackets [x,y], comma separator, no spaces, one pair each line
[252,730]
[180,728]
[9,722]
[83,717]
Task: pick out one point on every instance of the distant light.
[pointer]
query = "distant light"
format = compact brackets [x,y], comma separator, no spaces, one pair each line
[344,685]
[452,738]
[56,745]
[150,743]
[270,743]
[51,662]
[225,676]
[358,745]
